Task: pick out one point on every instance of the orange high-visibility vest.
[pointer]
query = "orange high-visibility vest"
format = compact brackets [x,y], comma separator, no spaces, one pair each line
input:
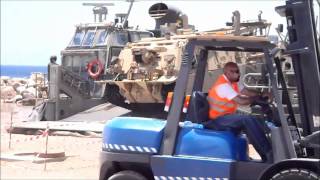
[221,106]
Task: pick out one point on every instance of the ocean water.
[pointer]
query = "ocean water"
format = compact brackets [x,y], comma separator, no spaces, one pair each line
[21,71]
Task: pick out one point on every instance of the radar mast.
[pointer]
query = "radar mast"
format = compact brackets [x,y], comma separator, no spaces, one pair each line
[99,9]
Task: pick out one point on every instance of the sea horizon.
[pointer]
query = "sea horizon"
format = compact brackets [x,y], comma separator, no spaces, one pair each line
[21,71]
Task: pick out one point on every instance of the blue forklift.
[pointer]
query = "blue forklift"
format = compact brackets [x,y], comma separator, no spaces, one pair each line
[180,148]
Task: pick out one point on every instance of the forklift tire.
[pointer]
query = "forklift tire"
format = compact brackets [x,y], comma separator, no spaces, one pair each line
[295,174]
[127,175]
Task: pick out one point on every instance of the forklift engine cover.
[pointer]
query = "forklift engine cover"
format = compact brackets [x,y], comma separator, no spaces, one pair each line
[144,135]
[133,135]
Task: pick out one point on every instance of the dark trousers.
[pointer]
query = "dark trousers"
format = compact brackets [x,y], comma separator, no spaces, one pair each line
[247,123]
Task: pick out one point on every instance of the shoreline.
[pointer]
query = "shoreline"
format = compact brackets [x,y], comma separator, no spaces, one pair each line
[21,71]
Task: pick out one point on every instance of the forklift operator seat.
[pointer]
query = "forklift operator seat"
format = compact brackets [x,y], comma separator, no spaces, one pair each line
[200,107]
[200,112]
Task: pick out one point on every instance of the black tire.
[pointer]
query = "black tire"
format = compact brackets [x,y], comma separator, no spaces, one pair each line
[295,174]
[113,96]
[127,175]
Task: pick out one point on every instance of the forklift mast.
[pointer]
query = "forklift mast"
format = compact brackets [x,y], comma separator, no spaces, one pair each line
[303,47]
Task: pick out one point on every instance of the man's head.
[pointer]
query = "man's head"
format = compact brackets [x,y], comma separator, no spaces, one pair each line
[231,71]
[53,59]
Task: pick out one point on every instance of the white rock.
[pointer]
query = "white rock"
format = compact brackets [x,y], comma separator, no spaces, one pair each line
[17,98]
[7,92]
[2,83]
[19,80]
[8,82]
[31,90]
[20,89]
[31,83]
[16,85]
[14,99]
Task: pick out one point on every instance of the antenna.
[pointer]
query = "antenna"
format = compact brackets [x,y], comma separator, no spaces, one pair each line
[128,13]
[124,17]
[100,9]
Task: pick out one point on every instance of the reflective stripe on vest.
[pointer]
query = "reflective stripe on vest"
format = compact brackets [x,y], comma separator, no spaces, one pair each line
[213,101]
[221,106]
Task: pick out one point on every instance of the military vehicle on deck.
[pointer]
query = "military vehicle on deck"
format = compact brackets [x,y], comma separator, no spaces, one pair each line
[145,71]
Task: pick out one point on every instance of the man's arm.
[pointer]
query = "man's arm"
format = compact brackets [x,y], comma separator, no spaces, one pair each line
[250,93]
[256,94]
[244,100]
[226,91]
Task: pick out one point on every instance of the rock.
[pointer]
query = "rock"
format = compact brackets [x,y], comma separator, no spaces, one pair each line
[9,82]
[19,80]
[7,92]
[20,89]
[31,91]
[27,102]
[14,99]
[16,85]
[27,95]
[17,98]
[3,82]
[31,83]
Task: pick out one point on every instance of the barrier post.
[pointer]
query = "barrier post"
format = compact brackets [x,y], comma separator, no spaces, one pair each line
[36,87]
[10,130]
[46,151]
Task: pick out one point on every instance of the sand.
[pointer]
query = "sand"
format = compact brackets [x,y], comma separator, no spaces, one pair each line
[82,154]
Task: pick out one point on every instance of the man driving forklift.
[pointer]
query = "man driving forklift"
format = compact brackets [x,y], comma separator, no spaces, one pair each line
[224,97]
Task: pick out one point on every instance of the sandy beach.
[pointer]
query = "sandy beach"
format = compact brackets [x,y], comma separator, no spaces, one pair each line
[82,153]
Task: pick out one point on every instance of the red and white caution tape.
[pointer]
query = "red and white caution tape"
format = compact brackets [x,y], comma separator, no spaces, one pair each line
[32,138]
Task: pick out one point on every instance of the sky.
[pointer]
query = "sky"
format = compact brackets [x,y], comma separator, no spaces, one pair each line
[32,31]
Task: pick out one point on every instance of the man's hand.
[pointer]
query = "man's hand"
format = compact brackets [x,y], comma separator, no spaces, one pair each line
[268,95]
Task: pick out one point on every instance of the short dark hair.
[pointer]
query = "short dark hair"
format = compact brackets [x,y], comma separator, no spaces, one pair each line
[228,65]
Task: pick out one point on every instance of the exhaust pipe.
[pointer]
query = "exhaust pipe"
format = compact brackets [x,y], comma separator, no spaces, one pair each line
[163,14]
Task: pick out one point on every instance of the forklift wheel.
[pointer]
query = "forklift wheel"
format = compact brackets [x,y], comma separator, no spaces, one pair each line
[295,174]
[127,175]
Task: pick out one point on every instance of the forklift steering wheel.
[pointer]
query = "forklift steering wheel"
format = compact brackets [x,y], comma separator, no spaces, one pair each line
[265,107]
[260,101]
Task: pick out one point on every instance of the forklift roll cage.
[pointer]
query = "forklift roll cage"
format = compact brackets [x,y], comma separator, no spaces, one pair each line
[221,43]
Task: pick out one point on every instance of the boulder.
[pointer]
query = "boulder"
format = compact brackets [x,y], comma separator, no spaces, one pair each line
[14,99]
[31,83]
[21,89]
[27,102]
[16,85]
[27,95]
[7,92]
[31,90]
